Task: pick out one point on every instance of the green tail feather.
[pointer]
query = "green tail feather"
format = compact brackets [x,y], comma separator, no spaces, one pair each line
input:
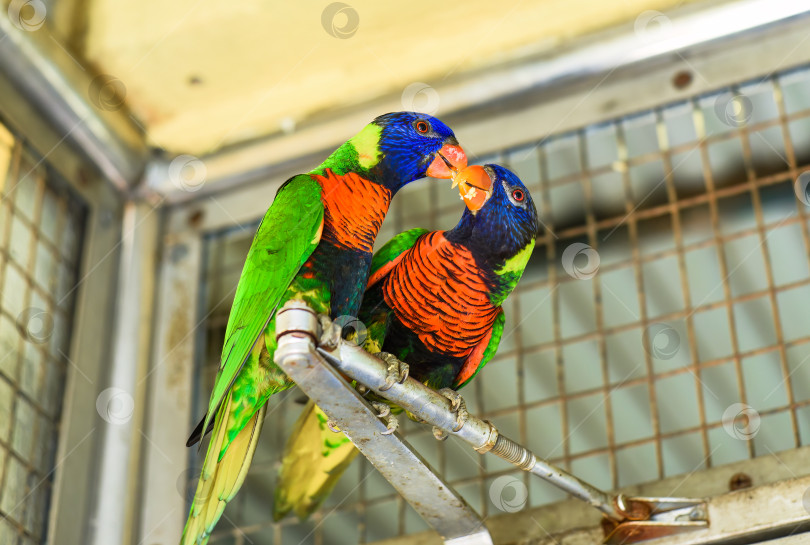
[314,459]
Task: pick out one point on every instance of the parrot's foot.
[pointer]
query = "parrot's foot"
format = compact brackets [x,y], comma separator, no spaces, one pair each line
[397,370]
[332,425]
[384,411]
[458,406]
[330,332]
[361,389]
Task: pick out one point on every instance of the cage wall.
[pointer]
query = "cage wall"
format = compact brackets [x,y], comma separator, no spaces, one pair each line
[657,331]
[41,231]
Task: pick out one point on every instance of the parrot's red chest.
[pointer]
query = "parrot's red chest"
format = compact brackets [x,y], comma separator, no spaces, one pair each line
[354,209]
[453,312]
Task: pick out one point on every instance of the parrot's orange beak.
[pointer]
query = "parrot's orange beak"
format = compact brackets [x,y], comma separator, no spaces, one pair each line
[475,186]
[448,162]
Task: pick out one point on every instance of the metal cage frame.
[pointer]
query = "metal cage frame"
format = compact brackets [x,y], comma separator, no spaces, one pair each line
[235,211]
[142,246]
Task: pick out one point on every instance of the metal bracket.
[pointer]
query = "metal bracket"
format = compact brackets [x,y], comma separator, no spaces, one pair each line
[437,502]
[298,330]
[651,518]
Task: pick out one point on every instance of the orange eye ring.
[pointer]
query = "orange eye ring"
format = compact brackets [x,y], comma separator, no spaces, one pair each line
[518,195]
[422,126]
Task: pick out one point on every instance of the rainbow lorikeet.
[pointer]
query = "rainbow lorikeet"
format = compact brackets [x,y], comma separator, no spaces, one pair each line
[434,301]
[314,244]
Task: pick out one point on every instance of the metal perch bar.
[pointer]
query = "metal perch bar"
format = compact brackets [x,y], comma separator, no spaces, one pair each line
[308,344]
[437,502]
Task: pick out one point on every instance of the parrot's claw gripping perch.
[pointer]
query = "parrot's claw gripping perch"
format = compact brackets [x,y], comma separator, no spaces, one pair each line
[384,411]
[397,370]
[361,389]
[332,425]
[458,406]
[330,332]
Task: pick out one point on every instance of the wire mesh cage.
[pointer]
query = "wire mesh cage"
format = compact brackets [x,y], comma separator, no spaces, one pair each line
[41,226]
[658,330]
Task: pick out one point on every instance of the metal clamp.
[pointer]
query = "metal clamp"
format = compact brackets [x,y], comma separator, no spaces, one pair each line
[626,520]
[491,439]
[297,317]
[436,501]
[651,518]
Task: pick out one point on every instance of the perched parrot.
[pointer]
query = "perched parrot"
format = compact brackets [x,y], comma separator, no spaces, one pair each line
[434,301]
[315,244]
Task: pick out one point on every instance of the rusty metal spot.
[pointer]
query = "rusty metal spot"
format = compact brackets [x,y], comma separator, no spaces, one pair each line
[739,481]
[195,218]
[682,79]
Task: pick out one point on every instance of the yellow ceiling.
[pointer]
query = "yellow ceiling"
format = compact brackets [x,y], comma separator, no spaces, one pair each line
[201,74]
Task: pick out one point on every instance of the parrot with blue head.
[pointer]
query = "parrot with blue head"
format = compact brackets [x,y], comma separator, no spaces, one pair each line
[313,244]
[433,300]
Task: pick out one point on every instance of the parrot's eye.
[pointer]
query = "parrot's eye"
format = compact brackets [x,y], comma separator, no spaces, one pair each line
[518,195]
[422,126]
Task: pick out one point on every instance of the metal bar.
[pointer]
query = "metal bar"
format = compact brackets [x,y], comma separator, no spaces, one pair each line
[298,331]
[413,396]
[755,515]
[432,407]
[55,86]
[437,502]
[170,381]
[654,211]
[468,99]
[121,452]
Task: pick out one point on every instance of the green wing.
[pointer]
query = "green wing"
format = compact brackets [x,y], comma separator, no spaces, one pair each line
[489,350]
[287,236]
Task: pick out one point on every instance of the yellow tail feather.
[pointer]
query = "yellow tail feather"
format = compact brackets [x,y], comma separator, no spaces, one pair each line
[314,459]
[221,480]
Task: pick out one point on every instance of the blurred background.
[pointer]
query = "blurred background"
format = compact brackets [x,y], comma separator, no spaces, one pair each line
[658,343]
